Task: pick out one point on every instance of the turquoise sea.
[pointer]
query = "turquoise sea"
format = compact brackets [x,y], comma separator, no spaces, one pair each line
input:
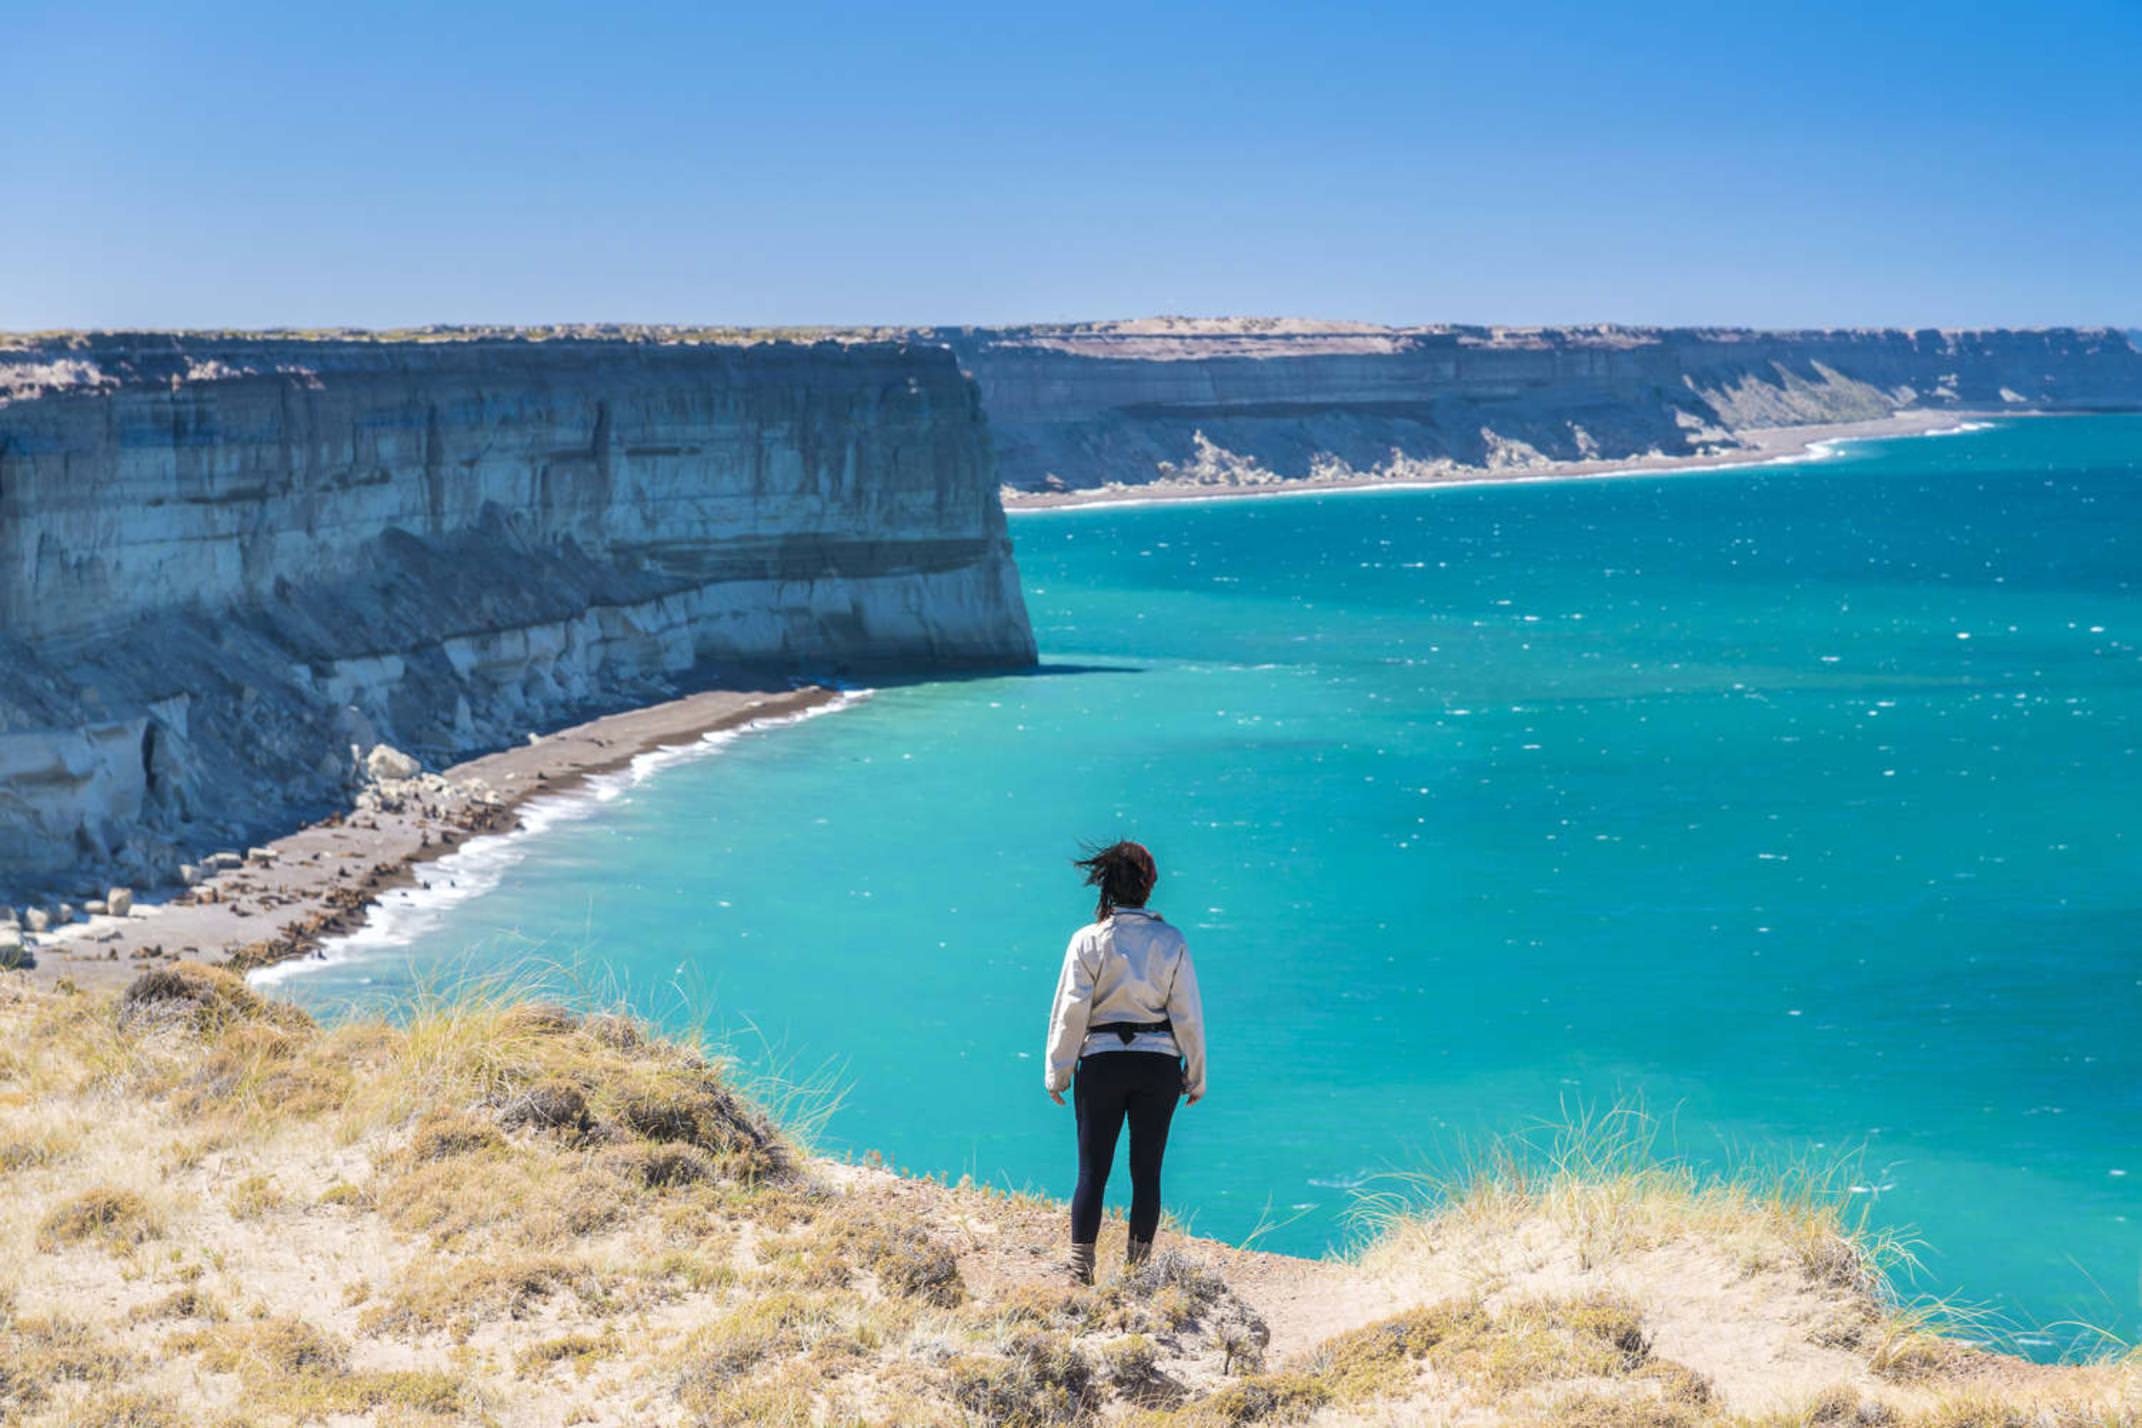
[1802,803]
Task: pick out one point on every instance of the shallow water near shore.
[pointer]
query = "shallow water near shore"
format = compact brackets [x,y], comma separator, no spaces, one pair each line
[1800,803]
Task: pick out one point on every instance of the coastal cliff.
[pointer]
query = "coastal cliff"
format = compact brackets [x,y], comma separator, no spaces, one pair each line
[231,566]
[1227,402]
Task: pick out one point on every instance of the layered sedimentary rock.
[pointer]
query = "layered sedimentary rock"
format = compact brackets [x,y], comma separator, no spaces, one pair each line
[1233,402]
[230,566]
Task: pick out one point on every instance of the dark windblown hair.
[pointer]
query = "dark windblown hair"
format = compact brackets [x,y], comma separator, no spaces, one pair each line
[1124,873]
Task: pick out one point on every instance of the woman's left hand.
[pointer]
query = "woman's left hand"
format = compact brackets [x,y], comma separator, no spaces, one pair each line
[1057,1097]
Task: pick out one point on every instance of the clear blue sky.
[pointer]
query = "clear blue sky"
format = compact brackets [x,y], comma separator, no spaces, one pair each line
[1772,163]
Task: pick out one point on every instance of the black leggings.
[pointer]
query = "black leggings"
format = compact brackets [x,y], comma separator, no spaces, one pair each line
[1143,1085]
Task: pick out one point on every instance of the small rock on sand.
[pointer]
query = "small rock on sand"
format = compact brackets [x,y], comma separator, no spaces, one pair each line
[36,919]
[119,901]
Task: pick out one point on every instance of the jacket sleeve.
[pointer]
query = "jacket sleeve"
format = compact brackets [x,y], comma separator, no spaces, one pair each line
[1067,1017]
[1186,1009]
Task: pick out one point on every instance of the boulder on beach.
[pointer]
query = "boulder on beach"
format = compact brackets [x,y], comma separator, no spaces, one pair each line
[388,764]
[36,919]
[119,901]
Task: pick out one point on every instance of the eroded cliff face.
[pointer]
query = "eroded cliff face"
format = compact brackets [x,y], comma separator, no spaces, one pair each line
[225,563]
[1245,401]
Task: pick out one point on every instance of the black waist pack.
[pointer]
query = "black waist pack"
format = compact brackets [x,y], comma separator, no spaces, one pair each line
[1129,1029]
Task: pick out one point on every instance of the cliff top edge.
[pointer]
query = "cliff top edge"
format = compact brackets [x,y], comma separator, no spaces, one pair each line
[1181,328]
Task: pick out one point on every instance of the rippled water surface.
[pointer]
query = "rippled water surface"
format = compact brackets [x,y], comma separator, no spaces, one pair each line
[1800,802]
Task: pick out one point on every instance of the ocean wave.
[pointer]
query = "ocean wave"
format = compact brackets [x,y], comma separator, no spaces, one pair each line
[403,915]
[1353,1181]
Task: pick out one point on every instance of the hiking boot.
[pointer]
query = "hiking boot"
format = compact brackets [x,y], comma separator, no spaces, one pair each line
[1081,1264]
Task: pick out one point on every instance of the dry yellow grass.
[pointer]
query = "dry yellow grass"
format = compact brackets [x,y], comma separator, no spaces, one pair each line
[1602,1178]
[503,1210]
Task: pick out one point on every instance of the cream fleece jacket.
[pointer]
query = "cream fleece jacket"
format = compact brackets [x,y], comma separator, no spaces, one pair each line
[1133,967]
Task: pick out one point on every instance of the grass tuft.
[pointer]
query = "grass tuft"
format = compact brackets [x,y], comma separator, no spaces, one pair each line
[1609,1181]
[458,1297]
[207,999]
[553,1105]
[1042,1378]
[126,1409]
[112,1217]
[905,1258]
[42,1356]
[445,1135]
[766,1327]
[33,1148]
[293,1369]
[664,1167]
[579,1350]
[190,1302]
[254,1196]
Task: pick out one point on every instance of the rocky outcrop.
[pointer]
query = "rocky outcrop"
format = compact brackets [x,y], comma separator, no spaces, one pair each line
[230,567]
[1241,401]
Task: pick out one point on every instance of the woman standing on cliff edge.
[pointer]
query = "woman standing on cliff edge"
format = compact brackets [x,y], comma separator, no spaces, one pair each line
[1128,1022]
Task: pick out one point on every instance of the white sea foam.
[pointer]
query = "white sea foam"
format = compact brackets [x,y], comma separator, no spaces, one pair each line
[405,914]
[1353,1181]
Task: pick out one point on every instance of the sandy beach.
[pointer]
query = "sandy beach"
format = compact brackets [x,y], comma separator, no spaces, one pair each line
[289,895]
[1765,446]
